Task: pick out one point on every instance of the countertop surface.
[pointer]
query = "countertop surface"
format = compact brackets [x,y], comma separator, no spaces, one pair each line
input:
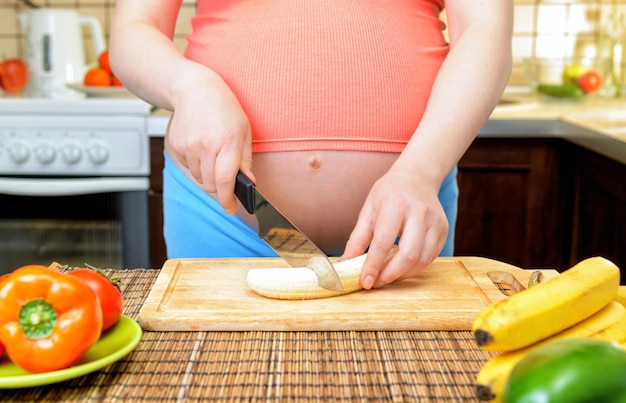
[595,122]
[402,366]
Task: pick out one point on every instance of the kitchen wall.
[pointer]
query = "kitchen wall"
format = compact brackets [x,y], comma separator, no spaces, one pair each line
[542,27]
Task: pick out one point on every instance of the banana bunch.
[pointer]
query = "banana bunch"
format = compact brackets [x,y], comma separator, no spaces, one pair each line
[583,301]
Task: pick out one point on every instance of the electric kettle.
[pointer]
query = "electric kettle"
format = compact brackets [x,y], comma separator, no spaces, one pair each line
[56,49]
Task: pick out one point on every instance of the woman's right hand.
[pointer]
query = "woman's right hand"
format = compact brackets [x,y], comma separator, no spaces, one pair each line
[209,133]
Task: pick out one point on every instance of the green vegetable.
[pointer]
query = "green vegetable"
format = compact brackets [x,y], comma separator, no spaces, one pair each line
[571,370]
[560,91]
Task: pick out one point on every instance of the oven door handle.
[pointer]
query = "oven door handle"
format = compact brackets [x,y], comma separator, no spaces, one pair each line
[71,187]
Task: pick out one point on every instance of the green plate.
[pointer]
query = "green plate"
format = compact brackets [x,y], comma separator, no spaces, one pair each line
[113,345]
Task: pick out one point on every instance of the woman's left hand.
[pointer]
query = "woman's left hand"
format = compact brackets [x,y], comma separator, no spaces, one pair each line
[399,204]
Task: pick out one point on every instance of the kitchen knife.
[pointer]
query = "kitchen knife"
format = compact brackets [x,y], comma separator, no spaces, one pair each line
[283,237]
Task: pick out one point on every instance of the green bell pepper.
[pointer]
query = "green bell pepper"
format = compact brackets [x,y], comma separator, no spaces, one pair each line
[572,370]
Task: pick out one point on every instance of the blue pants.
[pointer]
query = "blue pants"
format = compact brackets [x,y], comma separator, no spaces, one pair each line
[195,225]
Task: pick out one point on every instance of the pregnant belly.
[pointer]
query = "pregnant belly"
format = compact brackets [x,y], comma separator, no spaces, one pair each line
[321,192]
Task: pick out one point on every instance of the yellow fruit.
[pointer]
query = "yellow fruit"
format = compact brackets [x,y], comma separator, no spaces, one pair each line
[572,73]
[621,295]
[607,324]
[548,307]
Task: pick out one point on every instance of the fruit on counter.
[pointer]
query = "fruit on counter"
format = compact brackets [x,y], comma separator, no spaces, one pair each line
[620,297]
[591,81]
[102,75]
[607,324]
[577,80]
[97,77]
[13,75]
[116,82]
[572,73]
[301,282]
[107,290]
[48,319]
[103,61]
[547,308]
[560,91]
[570,371]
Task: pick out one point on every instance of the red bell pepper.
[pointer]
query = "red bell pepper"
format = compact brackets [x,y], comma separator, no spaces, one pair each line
[2,278]
[48,320]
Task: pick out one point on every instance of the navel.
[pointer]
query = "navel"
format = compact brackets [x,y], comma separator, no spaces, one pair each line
[315,162]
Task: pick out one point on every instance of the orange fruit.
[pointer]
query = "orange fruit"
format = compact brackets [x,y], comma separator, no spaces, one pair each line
[116,82]
[13,75]
[97,77]
[103,61]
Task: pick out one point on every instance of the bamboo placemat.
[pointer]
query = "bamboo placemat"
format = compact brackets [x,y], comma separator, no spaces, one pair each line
[273,366]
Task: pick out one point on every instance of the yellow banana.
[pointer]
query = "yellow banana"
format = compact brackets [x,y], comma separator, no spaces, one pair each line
[548,307]
[621,295]
[607,324]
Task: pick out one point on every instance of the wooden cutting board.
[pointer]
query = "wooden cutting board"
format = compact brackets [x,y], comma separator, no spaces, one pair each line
[212,294]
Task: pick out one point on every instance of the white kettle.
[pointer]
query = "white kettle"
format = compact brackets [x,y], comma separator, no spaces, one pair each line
[56,53]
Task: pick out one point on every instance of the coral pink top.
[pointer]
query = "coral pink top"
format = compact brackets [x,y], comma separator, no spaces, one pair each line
[324,74]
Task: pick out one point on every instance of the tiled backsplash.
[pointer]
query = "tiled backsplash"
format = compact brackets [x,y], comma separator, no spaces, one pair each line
[542,27]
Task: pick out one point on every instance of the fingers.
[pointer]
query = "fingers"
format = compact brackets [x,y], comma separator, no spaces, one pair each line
[382,229]
[422,228]
[210,135]
[226,169]
[213,157]
[411,258]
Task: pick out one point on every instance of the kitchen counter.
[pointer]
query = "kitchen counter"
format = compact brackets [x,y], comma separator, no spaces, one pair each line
[273,366]
[595,123]
[598,124]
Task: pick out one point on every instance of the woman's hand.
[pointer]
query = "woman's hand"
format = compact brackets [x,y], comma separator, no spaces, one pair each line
[404,202]
[209,134]
[399,204]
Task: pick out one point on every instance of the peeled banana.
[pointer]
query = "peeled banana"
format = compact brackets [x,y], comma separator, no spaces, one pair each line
[301,282]
[548,307]
[607,324]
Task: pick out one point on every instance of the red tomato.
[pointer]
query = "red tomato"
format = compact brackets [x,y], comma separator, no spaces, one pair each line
[590,81]
[116,82]
[110,296]
[13,75]
[103,61]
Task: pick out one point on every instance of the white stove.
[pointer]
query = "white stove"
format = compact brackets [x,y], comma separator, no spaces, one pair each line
[74,181]
[91,136]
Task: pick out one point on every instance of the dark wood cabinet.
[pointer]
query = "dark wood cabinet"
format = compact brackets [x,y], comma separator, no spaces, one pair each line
[511,201]
[599,210]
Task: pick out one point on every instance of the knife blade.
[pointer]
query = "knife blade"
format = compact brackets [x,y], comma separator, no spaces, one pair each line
[283,237]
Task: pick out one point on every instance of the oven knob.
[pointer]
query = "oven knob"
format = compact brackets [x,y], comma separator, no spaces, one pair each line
[98,152]
[19,151]
[45,153]
[71,153]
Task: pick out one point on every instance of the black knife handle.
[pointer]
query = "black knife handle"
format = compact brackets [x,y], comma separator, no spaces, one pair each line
[244,190]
